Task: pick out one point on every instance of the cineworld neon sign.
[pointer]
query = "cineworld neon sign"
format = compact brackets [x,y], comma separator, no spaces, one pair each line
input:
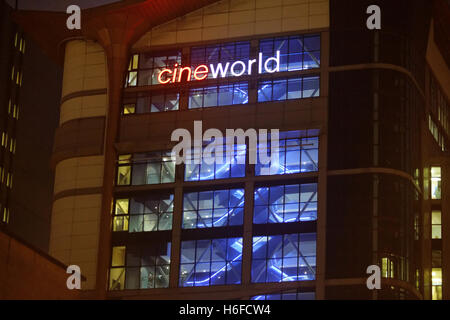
[237,69]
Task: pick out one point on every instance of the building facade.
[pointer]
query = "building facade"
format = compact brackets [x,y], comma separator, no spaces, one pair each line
[29,109]
[361,178]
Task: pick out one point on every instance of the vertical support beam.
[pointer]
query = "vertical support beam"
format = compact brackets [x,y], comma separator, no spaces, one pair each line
[323,176]
[117,54]
[445,220]
[248,233]
[321,218]
[176,236]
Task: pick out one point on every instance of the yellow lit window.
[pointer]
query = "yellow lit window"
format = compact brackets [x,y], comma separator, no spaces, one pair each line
[134,62]
[387,268]
[117,279]
[436,224]
[132,71]
[117,272]
[21,44]
[125,159]
[120,223]
[18,78]
[123,175]
[5,215]
[12,74]
[9,107]
[121,218]
[24,44]
[121,206]
[118,256]
[435,182]
[16,39]
[436,282]
[124,170]
[129,109]
[417,279]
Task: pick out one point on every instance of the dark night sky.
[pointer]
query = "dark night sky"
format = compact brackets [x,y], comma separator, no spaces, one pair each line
[57,5]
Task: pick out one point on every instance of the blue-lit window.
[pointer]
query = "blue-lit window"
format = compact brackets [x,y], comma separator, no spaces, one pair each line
[285,203]
[143,213]
[280,258]
[286,296]
[298,152]
[221,53]
[231,167]
[210,262]
[223,95]
[146,168]
[150,65]
[296,52]
[287,89]
[158,102]
[218,208]
[140,267]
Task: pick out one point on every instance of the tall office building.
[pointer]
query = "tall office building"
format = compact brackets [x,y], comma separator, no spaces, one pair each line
[29,98]
[363,170]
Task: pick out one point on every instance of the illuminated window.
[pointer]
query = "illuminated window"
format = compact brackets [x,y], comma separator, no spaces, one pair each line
[157,102]
[152,168]
[223,95]
[124,170]
[436,282]
[296,52]
[387,267]
[210,262]
[435,182]
[287,89]
[5,218]
[146,168]
[417,279]
[131,80]
[285,203]
[150,213]
[219,208]
[221,53]
[140,267]
[287,295]
[297,153]
[129,109]
[150,65]
[436,224]
[121,217]
[281,258]
[232,166]
[117,271]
